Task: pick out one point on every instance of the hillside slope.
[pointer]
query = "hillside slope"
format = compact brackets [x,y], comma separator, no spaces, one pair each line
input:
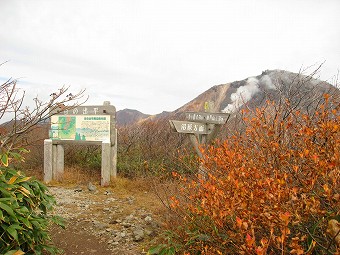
[254,90]
[129,116]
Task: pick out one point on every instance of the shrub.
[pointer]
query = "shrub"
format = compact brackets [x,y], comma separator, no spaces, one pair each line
[24,204]
[273,189]
[148,149]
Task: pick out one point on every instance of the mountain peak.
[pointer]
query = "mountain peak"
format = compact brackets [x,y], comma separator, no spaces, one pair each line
[129,116]
[252,91]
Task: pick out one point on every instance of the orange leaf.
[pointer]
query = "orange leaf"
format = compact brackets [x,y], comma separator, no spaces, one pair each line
[264,242]
[249,240]
[285,217]
[260,251]
[238,222]
[295,168]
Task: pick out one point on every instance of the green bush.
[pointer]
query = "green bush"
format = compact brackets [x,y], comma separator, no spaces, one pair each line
[24,204]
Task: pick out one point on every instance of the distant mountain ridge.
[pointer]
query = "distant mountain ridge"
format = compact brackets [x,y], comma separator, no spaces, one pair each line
[251,91]
[129,116]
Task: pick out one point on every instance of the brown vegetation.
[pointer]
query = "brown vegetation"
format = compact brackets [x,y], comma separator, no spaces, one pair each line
[272,188]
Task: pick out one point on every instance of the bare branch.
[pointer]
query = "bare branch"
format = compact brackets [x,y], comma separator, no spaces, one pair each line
[23,119]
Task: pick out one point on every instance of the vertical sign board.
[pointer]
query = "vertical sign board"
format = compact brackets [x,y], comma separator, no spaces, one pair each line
[83,125]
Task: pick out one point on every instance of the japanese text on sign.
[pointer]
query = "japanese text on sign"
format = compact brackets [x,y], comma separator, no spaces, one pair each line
[87,110]
[192,127]
[216,118]
[189,127]
[82,111]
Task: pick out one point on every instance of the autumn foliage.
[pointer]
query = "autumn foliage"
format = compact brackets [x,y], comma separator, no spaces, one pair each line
[273,188]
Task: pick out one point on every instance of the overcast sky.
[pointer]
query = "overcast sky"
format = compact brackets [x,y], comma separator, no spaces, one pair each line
[158,55]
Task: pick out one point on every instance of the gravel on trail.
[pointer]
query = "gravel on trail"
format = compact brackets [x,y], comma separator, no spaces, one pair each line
[98,221]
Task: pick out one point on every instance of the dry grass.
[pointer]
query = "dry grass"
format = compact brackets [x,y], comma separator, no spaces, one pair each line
[146,191]
[79,176]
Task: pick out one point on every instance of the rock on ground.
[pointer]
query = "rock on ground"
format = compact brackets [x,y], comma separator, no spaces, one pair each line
[98,222]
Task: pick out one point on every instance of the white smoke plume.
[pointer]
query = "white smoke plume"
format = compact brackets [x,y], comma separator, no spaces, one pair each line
[242,95]
[267,82]
[245,93]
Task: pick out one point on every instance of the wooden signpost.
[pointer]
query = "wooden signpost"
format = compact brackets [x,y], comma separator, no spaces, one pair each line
[201,127]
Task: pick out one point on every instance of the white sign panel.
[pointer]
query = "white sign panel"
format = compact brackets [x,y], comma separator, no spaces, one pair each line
[80,128]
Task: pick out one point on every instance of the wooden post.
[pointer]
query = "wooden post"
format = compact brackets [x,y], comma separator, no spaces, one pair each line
[54,160]
[48,161]
[113,141]
[196,144]
[114,146]
[106,163]
[59,169]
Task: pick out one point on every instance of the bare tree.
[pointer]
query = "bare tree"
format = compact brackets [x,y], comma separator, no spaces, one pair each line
[23,119]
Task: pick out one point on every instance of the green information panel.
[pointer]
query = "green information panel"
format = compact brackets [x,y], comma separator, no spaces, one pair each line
[81,128]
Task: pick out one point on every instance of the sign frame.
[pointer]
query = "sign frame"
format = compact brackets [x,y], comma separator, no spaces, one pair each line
[54,148]
[87,113]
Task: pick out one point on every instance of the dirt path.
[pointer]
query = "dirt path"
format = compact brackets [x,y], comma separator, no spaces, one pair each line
[106,221]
